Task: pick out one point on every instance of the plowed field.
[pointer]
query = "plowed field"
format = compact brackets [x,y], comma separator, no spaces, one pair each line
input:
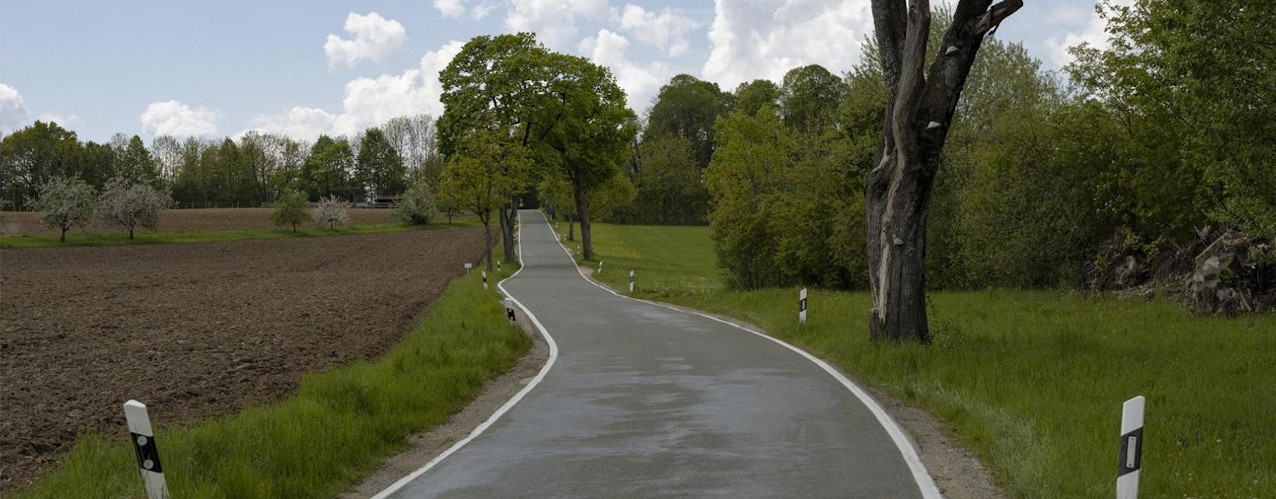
[194,220]
[196,330]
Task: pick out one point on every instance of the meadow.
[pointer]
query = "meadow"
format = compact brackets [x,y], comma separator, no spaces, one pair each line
[1031,380]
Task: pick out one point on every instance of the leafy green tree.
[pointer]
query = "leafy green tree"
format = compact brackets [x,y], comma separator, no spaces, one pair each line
[291,209]
[810,97]
[135,165]
[486,168]
[132,205]
[379,169]
[34,155]
[1190,81]
[687,108]
[65,202]
[670,190]
[327,171]
[752,96]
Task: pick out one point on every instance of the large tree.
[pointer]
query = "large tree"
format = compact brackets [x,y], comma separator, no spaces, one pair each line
[481,174]
[920,108]
[33,156]
[379,169]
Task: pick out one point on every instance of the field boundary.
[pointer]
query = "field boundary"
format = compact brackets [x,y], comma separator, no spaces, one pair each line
[925,483]
[509,404]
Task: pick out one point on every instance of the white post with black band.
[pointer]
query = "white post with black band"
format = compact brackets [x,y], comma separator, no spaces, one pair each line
[1131,448]
[802,306]
[139,427]
[509,310]
[631,282]
[484,280]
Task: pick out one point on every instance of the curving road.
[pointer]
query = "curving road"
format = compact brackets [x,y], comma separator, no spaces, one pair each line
[646,401]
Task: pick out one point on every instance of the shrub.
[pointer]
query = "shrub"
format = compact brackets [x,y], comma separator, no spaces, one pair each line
[291,210]
[65,203]
[417,206]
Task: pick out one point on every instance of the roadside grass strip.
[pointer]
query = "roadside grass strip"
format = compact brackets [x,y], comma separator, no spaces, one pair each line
[336,429]
[1031,381]
[119,238]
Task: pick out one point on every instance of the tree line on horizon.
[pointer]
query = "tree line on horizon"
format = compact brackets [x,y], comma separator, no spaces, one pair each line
[1144,143]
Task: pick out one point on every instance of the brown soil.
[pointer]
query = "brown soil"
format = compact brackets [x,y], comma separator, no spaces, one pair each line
[196,220]
[196,330]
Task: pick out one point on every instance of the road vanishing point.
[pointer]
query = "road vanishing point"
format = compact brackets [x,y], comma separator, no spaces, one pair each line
[641,400]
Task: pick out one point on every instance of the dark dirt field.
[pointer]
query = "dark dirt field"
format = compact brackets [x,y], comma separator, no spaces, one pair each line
[196,330]
[193,220]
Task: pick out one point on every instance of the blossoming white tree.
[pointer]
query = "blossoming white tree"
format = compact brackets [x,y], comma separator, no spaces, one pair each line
[132,205]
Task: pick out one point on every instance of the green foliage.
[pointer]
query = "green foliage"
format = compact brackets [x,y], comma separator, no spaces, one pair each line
[65,202]
[363,411]
[752,96]
[417,205]
[1031,381]
[670,190]
[328,170]
[809,98]
[379,170]
[132,205]
[33,156]
[686,108]
[1189,84]
[291,209]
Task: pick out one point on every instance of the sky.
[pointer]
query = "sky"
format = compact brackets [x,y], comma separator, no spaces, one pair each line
[306,67]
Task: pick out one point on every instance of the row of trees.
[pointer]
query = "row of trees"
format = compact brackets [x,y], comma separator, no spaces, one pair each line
[257,168]
[68,202]
[1152,140]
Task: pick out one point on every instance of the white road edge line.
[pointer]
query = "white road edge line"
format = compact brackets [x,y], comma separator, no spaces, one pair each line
[925,483]
[509,404]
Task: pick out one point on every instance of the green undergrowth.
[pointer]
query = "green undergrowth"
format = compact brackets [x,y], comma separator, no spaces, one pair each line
[118,238]
[336,429]
[1031,381]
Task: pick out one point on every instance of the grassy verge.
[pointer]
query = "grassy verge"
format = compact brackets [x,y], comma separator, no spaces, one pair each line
[116,238]
[335,430]
[1032,381]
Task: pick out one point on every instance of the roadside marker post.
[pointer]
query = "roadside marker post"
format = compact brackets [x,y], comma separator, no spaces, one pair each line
[498,265]
[631,282]
[802,306]
[509,310]
[1131,448]
[484,280]
[148,461]
[600,266]
[468,266]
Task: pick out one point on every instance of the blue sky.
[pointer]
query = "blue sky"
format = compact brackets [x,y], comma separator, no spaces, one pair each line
[302,68]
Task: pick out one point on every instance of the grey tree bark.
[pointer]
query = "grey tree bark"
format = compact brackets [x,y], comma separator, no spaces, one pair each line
[920,107]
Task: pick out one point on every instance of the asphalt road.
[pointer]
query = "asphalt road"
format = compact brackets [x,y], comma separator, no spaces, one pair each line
[646,401]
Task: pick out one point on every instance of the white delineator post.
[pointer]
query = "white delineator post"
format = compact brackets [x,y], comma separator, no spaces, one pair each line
[484,280]
[139,426]
[509,310]
[802,306]
[498,265]
[631,282]
[600,266]
[1131,448]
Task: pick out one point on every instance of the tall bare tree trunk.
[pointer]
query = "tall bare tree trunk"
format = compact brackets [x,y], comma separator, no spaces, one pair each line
[582,211]
[919,111]
[507,228]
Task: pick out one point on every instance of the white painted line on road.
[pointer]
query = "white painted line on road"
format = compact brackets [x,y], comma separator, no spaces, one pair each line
[509,404]
[925,484]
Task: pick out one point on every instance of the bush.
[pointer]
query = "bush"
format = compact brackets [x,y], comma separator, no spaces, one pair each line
[417,206]
[65,203]
[135,205]
[291,210]
[332,212]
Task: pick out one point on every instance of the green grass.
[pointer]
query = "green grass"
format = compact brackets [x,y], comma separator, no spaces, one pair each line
[335,430]
[1032,381]
[118,238]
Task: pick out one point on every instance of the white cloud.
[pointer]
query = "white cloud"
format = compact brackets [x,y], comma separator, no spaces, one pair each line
[13,112]
[450,8]
[370,102]
[375,38]
[766,38]
[666,31]
[553,21]
[178,119]
[1094,33]
[301,123]
[641,82]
